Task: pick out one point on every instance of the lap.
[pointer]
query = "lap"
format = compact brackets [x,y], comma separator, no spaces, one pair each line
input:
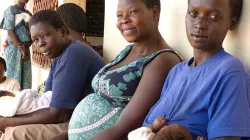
[34,131]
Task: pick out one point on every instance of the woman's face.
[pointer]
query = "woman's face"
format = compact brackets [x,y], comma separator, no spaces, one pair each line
[207,23]
[134,20]
[49,40]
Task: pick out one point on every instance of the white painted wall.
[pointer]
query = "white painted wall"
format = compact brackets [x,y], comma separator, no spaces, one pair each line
[3,33]
[172,27]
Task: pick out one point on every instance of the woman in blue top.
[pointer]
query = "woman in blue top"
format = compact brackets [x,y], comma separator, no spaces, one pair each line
[17,53]
[210,93]
[73,68]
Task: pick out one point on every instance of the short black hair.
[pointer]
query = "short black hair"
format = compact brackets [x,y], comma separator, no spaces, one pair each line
[236,7]
[152,3]
[3,62]
[51,17]
[74,16]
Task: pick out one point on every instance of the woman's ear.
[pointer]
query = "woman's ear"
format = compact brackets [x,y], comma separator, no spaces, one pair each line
[156,12]
[234,22]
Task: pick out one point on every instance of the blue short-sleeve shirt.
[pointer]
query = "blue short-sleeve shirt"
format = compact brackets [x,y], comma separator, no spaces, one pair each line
[71,75]
[211,100]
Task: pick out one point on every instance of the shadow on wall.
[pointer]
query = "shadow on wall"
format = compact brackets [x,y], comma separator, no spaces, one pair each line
[237,41]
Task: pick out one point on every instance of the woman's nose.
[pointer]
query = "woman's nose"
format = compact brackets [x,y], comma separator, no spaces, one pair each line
[201,23]
[125,19]
[41,43]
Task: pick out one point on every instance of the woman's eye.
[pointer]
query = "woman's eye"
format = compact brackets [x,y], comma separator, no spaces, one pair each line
[214,17]
[119,16]
[193,13]
[133,12]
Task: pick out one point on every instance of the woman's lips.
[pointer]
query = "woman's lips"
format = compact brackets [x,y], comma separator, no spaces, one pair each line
[46,53]
[198,36]
[129,30]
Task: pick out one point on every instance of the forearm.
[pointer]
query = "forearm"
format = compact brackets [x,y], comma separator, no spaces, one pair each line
[111,133]
[228,138]
[13,37]
[43,116]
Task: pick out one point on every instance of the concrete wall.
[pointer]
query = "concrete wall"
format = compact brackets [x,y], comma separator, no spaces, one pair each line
[172,27]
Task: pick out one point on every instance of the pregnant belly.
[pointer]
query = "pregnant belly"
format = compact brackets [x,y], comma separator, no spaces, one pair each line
[92,115]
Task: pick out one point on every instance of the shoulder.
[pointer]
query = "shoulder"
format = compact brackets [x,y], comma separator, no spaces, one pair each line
[10,7]
[79,53]
[78,47]
[162,64]
[230,63]
[166,59]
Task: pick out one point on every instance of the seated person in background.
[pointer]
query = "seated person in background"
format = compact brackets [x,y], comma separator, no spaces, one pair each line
[7,83]
[73,68]
[124,92]
[159,131]
[23,102]
[210,93]
[76,20]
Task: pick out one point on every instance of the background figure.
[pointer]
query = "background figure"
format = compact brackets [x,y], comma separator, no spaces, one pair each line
[7,83]
[75,19]
[18,42]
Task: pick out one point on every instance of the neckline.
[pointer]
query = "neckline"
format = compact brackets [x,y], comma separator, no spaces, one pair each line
[128,50]
[202,65]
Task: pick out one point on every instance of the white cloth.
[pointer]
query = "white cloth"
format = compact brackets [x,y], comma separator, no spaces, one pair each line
[10,84]
[23,16]
[24,102]
[142,133]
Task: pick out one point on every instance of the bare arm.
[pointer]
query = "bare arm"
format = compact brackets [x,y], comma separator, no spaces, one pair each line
[14,38]
[44,116]
[6,93]
[146,95]
[23,47]
[228,138]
